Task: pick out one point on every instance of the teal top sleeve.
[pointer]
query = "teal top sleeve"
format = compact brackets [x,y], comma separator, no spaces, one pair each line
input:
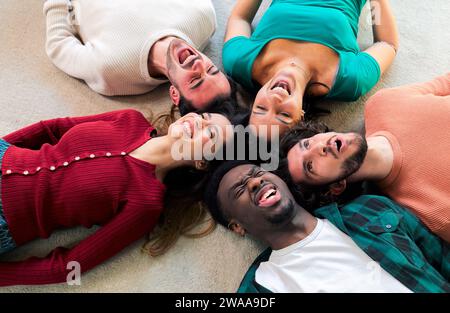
[238,55]
[358,73]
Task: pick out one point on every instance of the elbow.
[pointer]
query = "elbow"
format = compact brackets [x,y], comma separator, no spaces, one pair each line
[395,44]
[51,49]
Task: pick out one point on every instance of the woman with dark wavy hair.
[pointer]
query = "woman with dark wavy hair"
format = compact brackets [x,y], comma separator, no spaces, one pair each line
[108,169]
[305,48]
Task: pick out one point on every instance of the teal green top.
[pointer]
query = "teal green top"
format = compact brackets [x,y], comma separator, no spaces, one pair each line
[333,23]
[391,236]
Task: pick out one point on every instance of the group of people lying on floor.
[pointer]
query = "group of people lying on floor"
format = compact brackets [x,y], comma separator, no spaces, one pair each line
[118,170]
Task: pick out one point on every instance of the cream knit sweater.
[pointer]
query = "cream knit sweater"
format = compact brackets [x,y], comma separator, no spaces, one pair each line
[106,43]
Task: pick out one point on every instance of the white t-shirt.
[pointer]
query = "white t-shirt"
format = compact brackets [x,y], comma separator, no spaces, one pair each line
[326,261]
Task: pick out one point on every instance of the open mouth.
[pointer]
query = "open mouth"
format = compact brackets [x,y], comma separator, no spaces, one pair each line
[338,144]
[185,56]
[282,86]
[267,196]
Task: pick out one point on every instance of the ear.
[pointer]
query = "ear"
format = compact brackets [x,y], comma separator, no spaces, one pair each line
[201,165]
[237,228]
[174,95]
[338,187]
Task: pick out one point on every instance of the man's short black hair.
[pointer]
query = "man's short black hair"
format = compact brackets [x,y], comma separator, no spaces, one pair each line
[210,197]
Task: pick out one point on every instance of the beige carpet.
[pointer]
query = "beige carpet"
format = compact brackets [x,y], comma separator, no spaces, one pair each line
[33,89]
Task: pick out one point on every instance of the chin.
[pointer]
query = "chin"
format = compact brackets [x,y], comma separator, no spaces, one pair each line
[285,213]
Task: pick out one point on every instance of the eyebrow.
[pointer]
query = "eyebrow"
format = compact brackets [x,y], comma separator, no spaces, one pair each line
[284,122]
[264,113]
[259,113]
[305,164]
[250,173]
[201,81]
[198,84]
[215,72]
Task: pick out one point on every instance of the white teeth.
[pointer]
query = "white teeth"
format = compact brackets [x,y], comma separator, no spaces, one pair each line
[268,193]
[188,59]
[281,89]
[187,128]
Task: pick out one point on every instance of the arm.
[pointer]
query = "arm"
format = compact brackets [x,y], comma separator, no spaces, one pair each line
[240,20]
[127,227]
[62,45]
[440,86]
[51,131]
[385,34]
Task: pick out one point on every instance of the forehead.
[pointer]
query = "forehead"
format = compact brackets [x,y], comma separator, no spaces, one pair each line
[218,81]
[219,119]
[323,135]
[268,119]
[234,175]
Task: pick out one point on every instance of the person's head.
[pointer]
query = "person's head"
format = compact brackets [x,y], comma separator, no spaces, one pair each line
[196,137]
[246,199]
[315,157]
[185,183]
[196,82]
[279,102]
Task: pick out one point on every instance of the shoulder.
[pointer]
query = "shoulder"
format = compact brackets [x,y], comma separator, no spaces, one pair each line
[369,206]
[238,56]
[386,102]
[372,201]
[235,48]
[358,74]
[132,115]
[378,214]
[249,284]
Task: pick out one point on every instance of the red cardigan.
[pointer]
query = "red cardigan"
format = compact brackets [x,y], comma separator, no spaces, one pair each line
[69,172]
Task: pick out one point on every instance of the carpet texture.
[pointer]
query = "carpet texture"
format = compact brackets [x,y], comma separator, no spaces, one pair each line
[33,89]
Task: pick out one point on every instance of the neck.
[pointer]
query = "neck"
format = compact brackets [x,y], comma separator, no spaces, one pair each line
[298,229]
[157,58]
[158,152]
[378,161]
[302,73]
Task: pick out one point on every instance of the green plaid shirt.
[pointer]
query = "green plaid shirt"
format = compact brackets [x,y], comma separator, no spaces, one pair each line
[391,236]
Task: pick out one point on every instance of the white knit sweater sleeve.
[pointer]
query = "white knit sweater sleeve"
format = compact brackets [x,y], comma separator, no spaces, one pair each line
[64,49]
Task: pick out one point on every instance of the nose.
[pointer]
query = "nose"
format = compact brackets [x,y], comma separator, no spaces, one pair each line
[320,148]
[198,66]
[254,183]
[277,99]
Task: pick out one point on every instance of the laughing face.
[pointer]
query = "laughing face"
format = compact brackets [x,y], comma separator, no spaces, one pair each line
[278,102]
[326,158]
[194,132]
[257,200]
[194,76]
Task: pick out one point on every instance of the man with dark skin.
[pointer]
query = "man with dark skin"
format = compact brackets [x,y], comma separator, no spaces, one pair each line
[348,249]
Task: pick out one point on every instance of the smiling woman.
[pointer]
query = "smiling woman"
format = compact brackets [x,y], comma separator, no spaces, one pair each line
[108,169]
[304,48]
